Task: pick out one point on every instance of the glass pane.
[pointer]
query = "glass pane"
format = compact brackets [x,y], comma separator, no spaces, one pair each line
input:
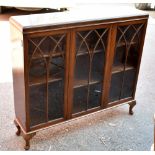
[38,71]
[81,70]
[95,95]
[128,84]
[56,78]
[133,55]
[56,100]
[37,100]
[115,88]
[97,66]
[56,68]
[80,99]
[37,91]
[119,58]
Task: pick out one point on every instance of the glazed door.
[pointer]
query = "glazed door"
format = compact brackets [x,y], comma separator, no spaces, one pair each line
[47,65]
[90,47]
[126,60]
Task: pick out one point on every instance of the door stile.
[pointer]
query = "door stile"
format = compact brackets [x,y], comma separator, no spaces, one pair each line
[108,65]
[71,63]
[67,65]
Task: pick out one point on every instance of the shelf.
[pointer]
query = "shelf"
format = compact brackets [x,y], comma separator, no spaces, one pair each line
[84,82]
[120,68]
[80,53]
[39,56]
[123,44]
[42,79]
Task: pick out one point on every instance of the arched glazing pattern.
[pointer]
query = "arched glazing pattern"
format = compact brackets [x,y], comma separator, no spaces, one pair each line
[125,61]
[46,78]
[89,69]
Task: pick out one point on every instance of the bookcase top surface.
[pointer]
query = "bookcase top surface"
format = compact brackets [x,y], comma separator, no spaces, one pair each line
[76,16]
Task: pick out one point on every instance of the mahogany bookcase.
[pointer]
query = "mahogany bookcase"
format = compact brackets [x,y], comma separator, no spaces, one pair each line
[66,65]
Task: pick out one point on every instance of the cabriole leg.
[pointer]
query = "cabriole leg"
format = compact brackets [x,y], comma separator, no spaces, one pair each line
[18,132]
[27,138]
[131,105]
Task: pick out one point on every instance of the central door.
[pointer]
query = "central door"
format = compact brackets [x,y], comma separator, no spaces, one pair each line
[89,61]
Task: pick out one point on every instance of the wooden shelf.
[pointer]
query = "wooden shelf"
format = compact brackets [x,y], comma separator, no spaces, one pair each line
[39,56]
[123,44]
[81,53]
[84,82]
[120,68]
[42,79]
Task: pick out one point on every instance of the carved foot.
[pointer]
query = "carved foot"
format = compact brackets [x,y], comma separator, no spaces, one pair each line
[27,145]
[18,132]
[131,104]
[27,138]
